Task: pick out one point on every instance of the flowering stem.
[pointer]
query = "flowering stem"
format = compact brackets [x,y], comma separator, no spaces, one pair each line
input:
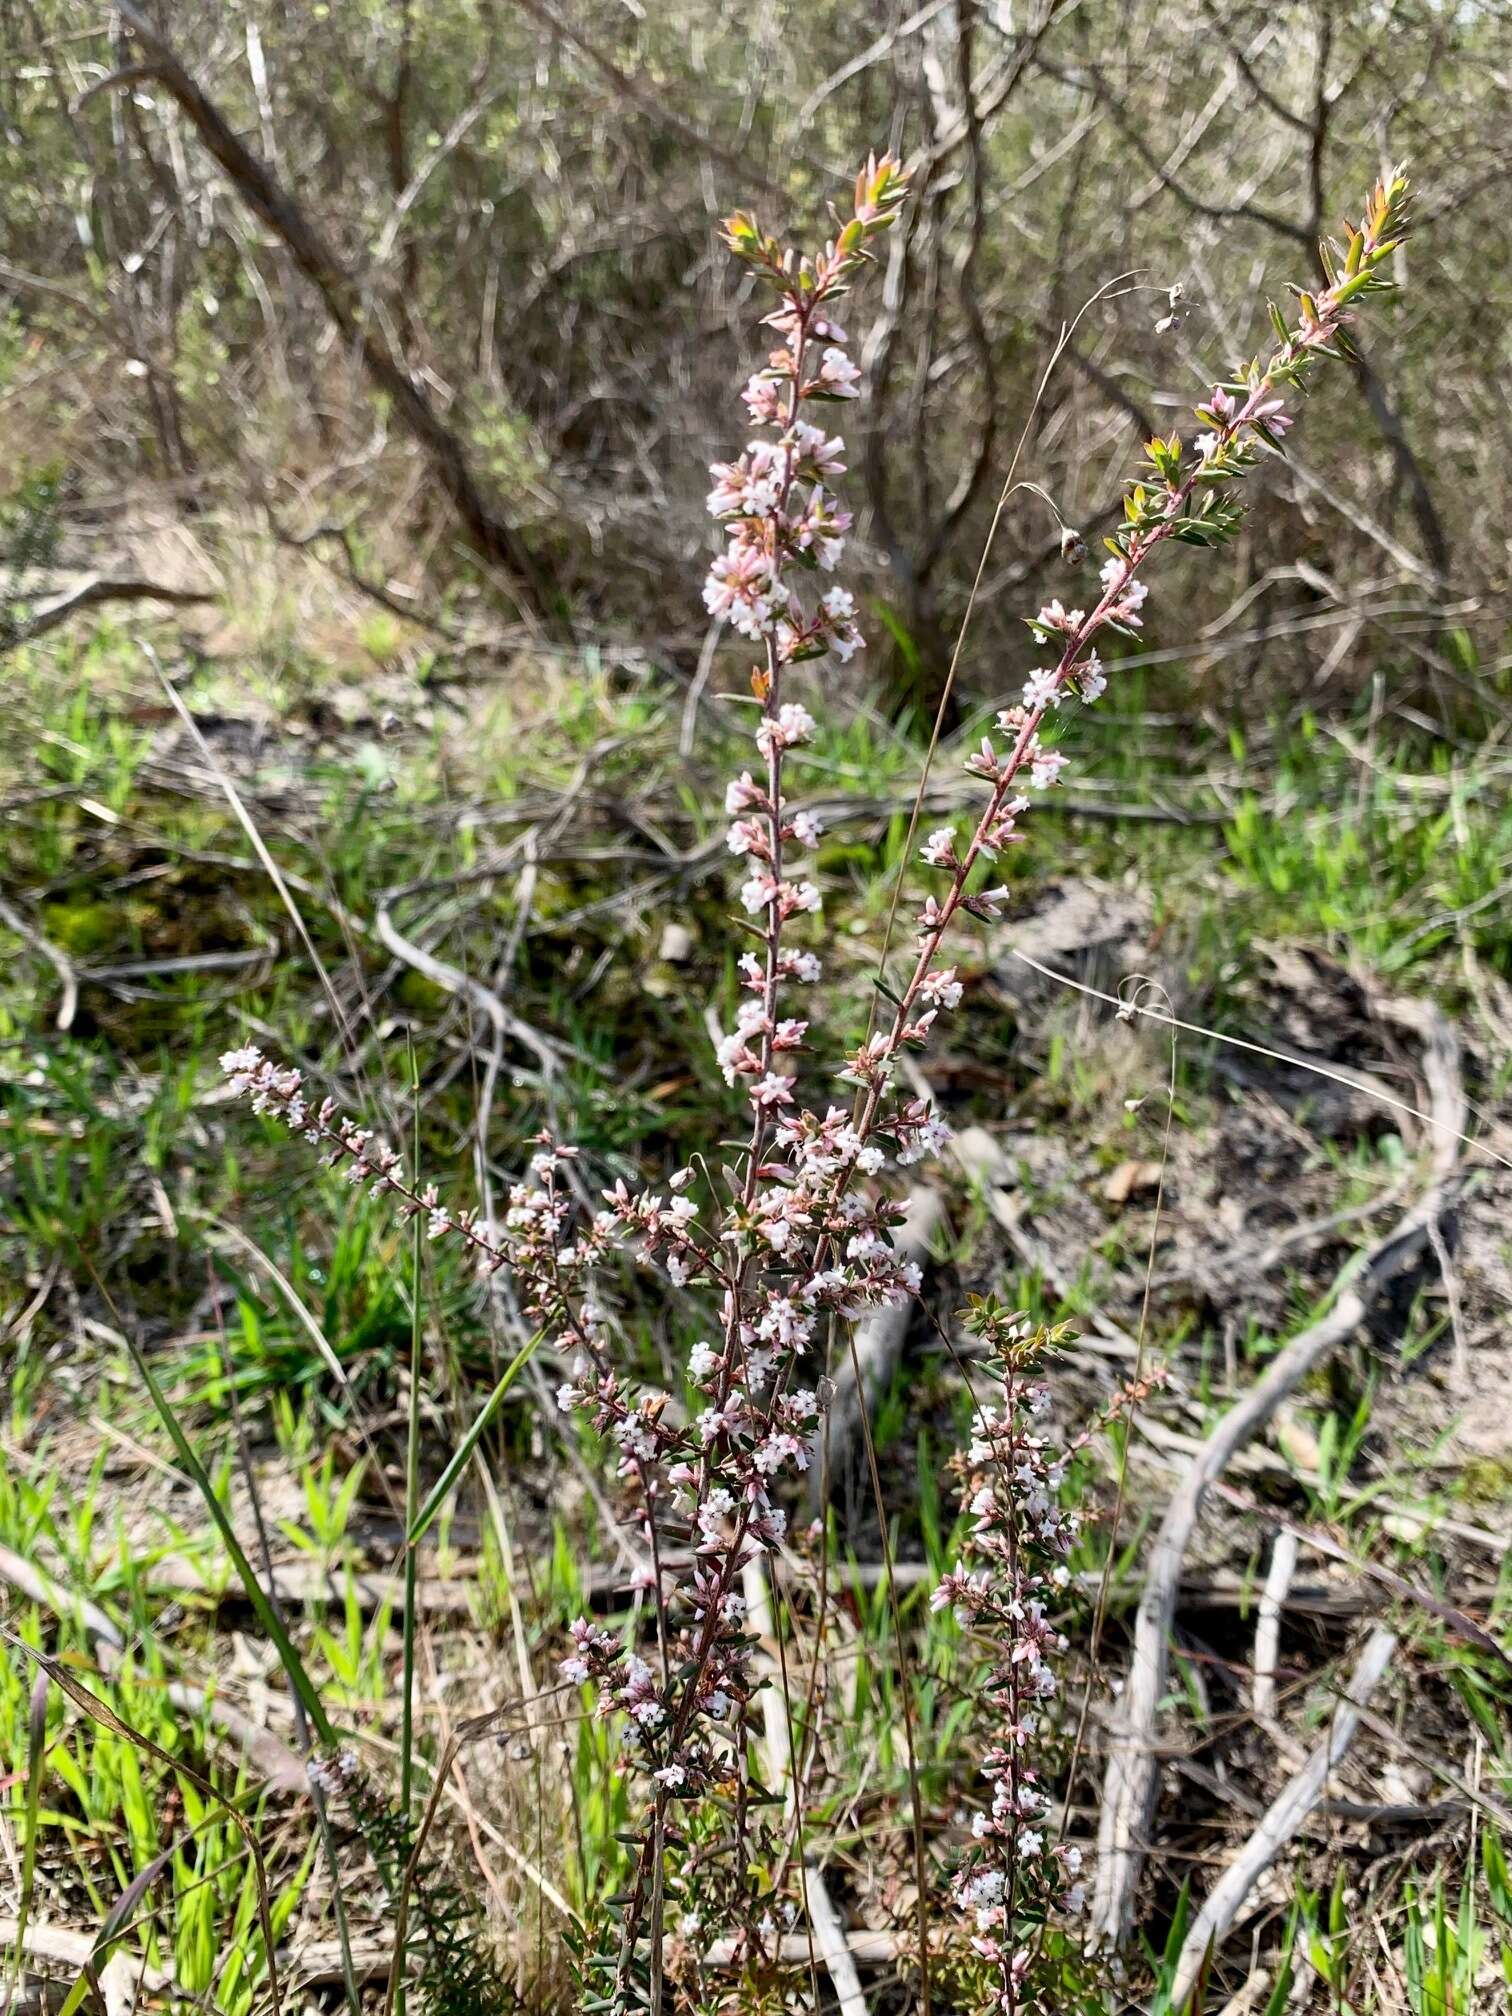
[802,1233]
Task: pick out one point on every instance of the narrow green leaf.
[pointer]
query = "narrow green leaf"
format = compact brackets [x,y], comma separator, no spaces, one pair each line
[266,1615]
[36,1754]
[446,1483]
[115,1919]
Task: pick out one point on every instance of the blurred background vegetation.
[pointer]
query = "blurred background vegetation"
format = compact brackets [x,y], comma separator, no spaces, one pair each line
[489,259]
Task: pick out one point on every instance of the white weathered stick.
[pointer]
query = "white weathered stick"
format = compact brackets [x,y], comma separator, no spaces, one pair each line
[120,1974]
[1130,1779]
[777,1769]
[1282,1818]
[776,1755]
[1283,1565]
[878,1345]
[871,1949]
[830,1938]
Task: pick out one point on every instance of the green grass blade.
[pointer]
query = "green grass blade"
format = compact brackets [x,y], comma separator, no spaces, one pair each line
[36,1754]
[1281,1992]
[118,1916]
[446,1483]
[267,1616]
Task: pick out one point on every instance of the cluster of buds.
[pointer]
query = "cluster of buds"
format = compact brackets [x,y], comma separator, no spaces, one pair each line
[551,1271]
[801,1230]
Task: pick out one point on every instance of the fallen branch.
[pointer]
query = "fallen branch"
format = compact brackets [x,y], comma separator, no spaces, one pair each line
[879,1338]
[61,964]
[453,981]
[866,1949]
[121,1978]
[124,1974]
[1282,1819]
[830,1938]
[89,595]
[1268,1627]
[1130,1780]
[299,1582]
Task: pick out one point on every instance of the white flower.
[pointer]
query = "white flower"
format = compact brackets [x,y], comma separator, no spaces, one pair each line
[838,375]
[763,398]
[1041,690]
[939,849]
[757,892]
[791,725]
[1091,680]
[942,988]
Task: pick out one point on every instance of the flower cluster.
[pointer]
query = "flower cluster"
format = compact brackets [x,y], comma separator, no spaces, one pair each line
[1020,1872]
[798,1231]
[1003,1593]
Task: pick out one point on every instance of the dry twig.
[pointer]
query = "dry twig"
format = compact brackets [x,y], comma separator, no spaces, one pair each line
[1268,1628]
